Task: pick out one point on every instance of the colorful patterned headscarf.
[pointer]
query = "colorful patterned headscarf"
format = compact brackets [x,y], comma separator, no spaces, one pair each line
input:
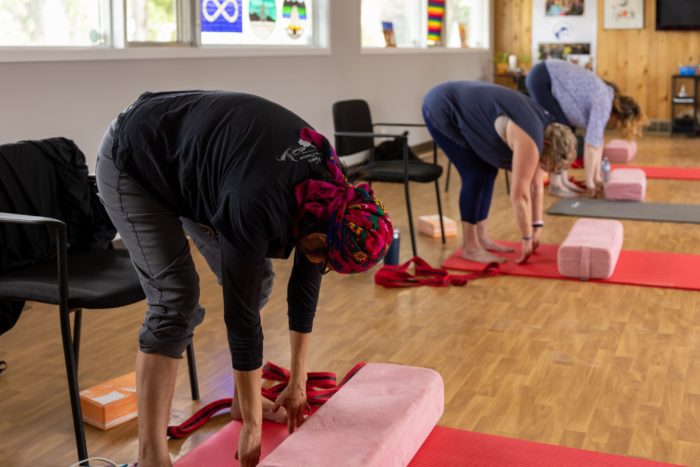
[359,229]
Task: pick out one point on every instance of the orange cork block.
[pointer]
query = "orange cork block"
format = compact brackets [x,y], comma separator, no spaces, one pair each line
[430,226]
[110,403]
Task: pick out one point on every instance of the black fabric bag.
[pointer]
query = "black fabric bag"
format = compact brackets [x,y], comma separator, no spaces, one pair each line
[392,150]
[46,178]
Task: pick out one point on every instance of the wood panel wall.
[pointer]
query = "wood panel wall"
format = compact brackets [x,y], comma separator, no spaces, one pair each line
[640,62]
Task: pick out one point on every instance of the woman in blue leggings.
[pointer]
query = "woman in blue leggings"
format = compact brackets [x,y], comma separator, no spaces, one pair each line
[483,127]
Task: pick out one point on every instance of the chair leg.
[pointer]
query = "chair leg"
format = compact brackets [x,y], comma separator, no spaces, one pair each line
[72,374]
[507,182]
[410,219]
[77,325]
[439,203]
[447,178]
[192,370]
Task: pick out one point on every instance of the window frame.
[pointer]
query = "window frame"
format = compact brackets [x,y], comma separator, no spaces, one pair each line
[116,46]
[186,29]
[424,48]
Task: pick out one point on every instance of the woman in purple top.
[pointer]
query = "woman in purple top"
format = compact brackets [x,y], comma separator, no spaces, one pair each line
[578,98]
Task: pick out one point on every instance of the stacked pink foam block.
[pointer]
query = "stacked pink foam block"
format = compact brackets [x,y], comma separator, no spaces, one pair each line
[626,185]
[381,417]
[591,249]
[620,151]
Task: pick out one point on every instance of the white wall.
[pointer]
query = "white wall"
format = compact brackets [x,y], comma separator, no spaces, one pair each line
[79,99]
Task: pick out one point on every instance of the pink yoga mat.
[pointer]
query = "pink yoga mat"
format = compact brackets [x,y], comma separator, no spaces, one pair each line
[649,269]
[665,173]
[447,447]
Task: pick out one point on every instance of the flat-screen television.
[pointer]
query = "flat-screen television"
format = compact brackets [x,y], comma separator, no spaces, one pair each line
[677,14]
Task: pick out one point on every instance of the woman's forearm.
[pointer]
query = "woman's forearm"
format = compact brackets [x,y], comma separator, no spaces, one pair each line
[592,161]
[299,342]
[522,205]
[248,395]
[537,193]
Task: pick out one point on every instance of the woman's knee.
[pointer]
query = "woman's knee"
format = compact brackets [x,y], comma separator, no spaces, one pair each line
[167,331]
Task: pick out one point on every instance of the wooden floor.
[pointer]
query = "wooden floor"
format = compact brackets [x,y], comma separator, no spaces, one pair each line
[602,367]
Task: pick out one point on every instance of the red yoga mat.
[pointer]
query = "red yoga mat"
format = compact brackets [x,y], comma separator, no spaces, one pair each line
[220,448]
[450,447]
[665,173]
[649,269]
[445,447]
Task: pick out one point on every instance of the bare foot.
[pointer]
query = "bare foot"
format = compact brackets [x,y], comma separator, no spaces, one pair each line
[493,246]
[481,256]
[279,417]
[562,192]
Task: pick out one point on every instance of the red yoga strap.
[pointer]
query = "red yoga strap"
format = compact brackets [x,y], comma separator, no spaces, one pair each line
[320,386]
[425,274]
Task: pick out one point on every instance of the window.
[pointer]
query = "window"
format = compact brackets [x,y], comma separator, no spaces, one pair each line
[152,21]
[54,22]
[257,22]
[190,24]
[467,23]
[425,23]
[402,19]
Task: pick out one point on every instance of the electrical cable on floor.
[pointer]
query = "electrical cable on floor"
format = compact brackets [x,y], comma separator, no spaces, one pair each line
[110,463]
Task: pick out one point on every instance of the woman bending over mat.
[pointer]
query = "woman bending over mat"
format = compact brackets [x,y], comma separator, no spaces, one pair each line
[576,97]
[248,180]
[483,127]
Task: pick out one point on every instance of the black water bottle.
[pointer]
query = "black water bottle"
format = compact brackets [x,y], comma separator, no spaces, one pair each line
[392,256]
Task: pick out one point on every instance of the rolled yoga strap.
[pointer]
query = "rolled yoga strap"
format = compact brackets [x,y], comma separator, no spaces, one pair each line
[399,276]
[320,386]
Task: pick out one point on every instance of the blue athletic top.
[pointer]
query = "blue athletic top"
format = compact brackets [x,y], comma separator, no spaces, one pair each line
[465,111]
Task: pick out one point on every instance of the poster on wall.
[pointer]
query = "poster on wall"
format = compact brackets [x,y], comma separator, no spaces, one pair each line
[295,12]
[564,7]
[222,16]
[565,29]
[623,14]
[263,17]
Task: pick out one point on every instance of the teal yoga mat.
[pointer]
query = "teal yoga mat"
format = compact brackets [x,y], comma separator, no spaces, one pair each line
[627,210]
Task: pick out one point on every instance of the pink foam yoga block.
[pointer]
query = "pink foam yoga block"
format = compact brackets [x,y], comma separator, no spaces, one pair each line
[620,151]
[381,417]
[591,249]
[626,184]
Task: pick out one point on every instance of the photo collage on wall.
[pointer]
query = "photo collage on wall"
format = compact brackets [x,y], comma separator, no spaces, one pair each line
[565,30]
[227,16]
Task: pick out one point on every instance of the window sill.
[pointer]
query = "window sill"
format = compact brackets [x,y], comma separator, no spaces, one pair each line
[77,54]
[421,50]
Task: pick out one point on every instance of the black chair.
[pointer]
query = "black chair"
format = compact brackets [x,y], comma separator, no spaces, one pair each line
[73,281]
[355,132]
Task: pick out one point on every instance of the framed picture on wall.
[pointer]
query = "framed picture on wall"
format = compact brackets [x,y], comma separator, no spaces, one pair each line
[623,14]
[564,7]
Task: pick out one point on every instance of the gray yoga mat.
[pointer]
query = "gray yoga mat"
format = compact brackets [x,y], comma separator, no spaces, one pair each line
[654,212]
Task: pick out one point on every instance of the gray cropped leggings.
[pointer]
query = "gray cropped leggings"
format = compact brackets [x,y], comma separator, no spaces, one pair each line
[160,252]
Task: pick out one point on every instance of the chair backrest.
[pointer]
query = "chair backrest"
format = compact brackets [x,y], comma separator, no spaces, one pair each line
[48,178]
[352,115]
